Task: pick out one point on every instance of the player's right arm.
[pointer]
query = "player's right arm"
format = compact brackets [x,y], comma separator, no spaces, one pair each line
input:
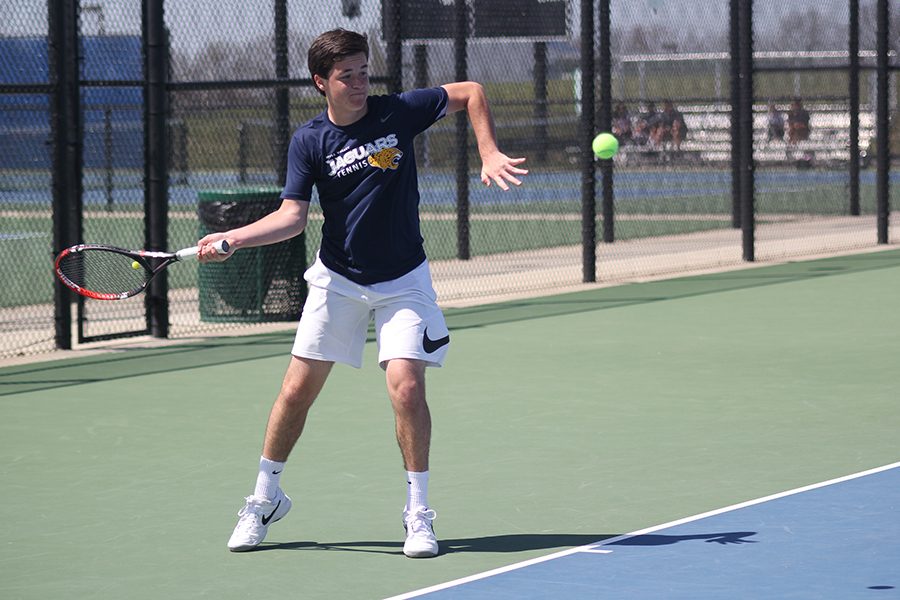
[495,165]
[286,222]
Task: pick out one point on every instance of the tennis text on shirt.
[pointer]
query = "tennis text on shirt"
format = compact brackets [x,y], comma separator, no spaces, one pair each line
[381,153]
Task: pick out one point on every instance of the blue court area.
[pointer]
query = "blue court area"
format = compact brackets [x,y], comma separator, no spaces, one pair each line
[838,539]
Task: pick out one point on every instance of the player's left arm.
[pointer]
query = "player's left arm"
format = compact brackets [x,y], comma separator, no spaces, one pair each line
[495,166]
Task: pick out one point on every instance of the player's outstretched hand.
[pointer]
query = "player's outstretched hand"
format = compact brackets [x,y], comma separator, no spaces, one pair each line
[500,168]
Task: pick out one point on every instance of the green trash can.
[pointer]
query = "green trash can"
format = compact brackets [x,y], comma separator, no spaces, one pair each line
[255,285]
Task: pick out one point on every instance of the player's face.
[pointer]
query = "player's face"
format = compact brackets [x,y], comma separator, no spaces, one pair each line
[346,89]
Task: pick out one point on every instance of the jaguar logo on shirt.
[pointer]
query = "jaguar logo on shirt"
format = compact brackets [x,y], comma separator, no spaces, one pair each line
[380,153]
[389,158]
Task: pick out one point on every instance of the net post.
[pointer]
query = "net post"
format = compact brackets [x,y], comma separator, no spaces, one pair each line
[588,165]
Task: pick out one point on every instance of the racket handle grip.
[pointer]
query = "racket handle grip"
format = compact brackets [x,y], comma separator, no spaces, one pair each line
[221,247]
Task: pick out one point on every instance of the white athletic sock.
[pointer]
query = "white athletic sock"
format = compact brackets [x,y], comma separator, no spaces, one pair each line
[417,490]
[269,477]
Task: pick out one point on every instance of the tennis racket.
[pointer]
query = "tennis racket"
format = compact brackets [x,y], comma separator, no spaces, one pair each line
[109,273]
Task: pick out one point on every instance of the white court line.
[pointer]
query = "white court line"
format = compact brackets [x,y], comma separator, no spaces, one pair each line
[594,548]
[22,235]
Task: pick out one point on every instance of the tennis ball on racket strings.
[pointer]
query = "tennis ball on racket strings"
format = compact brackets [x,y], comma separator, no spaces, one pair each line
[605,145]
[135,265]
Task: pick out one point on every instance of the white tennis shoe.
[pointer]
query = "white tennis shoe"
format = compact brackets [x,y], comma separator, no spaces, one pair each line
[256,516]
[420,540]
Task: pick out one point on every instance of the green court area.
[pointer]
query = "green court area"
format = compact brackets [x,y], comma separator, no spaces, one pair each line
[559,421]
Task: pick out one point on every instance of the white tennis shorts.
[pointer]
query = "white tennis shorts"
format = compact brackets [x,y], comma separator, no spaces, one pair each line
[337,313]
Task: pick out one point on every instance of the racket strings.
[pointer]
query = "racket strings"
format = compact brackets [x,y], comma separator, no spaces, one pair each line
[103,271]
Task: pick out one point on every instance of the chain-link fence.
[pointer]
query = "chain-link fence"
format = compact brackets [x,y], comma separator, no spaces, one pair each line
[146,123]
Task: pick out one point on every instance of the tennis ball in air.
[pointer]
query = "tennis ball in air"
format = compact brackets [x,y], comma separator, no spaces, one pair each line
[605,145]
[135,265]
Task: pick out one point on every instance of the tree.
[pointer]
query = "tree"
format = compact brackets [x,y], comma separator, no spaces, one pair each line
[868,27]
[645,39]
[810,29]
[350,8]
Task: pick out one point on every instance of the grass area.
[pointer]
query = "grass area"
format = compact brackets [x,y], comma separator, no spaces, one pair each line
[492,237]
[486,237]
[29,240]
[546,214]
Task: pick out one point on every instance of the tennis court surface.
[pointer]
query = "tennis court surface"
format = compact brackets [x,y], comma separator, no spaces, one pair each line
[725,435]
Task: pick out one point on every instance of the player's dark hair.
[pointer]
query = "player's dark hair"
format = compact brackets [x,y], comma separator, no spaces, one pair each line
[332,47]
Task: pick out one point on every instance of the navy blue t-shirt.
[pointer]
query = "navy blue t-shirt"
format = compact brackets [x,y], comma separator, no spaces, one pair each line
[365,174]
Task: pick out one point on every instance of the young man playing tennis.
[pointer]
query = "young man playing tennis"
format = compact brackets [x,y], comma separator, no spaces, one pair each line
[359,155]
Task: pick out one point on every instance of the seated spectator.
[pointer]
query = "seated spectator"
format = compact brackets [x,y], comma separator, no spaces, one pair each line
[798,122]
[671,127]
[645,125]
[621,123]
[775,124]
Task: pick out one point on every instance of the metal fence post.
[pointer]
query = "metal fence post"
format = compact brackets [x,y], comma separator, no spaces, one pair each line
[282,98]
[461,31]
[541,111]
[588,183]
[156,169]
[108,163]
[605,124]
[393,45]
[882,131]
[745,139]
[283,115]
[853,89]
[735,99]
[68,141]
[420,80]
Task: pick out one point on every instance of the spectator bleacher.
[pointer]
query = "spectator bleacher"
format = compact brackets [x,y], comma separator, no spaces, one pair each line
[709,140]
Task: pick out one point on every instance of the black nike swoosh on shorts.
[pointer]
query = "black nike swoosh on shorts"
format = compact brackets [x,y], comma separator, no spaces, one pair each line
[431,345]
[265,519]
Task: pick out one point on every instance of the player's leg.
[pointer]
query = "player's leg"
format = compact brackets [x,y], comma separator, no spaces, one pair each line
[302,383]
[332,329]
[406,388]
[412,335]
